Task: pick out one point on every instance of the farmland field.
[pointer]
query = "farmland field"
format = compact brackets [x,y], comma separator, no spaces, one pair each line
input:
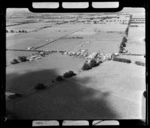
[112,90]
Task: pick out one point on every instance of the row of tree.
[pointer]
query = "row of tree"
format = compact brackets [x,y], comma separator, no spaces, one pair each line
[123,45]
[59,78]
[19,59]
[20,31]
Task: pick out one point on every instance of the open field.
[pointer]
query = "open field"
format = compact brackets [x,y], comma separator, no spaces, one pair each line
[136,40]
[42,36]
[112,90]
[14,54]
[94,94]
[67,63]
[29,26]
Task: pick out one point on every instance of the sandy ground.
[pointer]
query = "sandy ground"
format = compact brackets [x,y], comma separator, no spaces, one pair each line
[112,90]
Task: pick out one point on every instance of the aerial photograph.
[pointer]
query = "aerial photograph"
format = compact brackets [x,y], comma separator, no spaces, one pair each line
[75,65]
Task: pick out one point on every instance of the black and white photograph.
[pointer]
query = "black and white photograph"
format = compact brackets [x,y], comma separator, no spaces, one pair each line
[75,66]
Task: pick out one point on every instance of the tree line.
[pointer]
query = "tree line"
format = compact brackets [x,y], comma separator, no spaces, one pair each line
[19,31]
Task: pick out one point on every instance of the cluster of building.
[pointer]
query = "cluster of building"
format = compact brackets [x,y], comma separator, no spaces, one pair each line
[93,59]
[79,53]
[113,19]
[39,55]
[99,56]
[122,19]
[96,58]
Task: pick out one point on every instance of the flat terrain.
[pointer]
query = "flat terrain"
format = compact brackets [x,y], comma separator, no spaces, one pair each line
[112,90]
[92,94]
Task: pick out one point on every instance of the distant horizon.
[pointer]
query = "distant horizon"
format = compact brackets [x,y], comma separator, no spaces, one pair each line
[125,9]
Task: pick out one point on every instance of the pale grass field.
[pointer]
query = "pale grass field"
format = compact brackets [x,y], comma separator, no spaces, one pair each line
[113,90]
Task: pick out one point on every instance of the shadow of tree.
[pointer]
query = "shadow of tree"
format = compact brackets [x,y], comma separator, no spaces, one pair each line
[23,82]
[70,99]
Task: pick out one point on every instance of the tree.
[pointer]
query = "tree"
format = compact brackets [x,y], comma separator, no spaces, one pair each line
[139,63]
[12,31]
[124,39]
[86,66]
[23,31]
[40,86]
[121,60]
[93,63]
[59,78]
[53,81]
[14,61]
[127,30]
[95,22]
[22,58]
[123,44]
[121,49]
[69,74]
